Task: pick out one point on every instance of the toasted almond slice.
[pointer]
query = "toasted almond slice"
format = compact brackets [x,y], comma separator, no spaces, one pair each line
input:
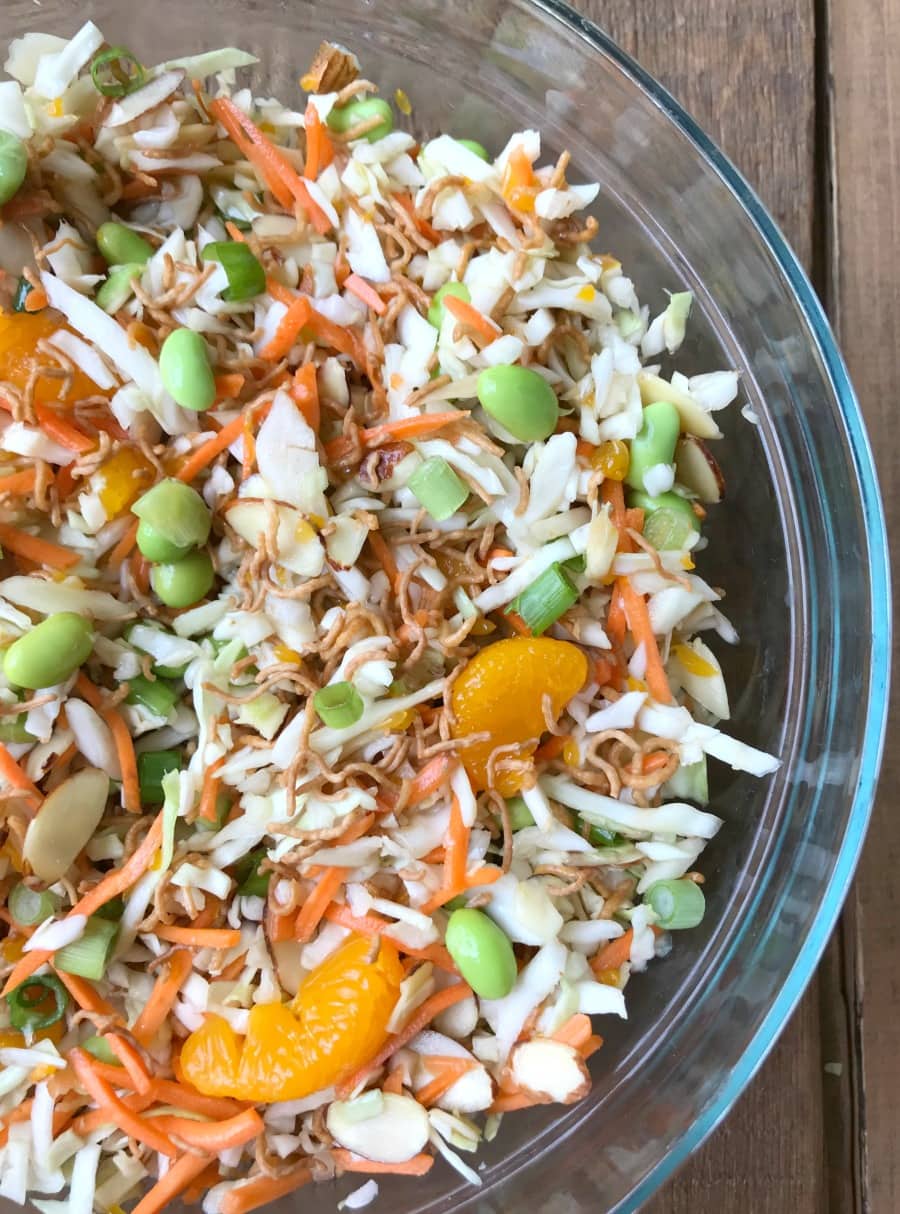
[697,470]
[550,1069]
[65,823]
[297,546]
[394,1134]
[694,420]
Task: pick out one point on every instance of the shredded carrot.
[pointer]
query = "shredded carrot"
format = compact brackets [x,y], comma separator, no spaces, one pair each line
[13,774]
[276,171]
[319,148]
[86,996]
[634,519]
[229,385]
[467,315]
[654,762]
[584,449]
[374,925]
[520,186]
[449,1071]
[366,292]
[131,1061]
[486,875]
[276,289]
[411,427]
[62,431]
[613,954]
[33,548]
[432,234]
[131,788]
[552,748]
[251,1194]
[298,315]
[606,670]
[642,630]
[165,991]
[517,624]
[422,1016]
[137,188]
[457,850]
[317,903]
[590,1047]
[230,433]
[430,779]
[348,1162]
[210,791]
[123,547]
[214,1136]
[394,1082]
[103,1095]
[616,623]
[305,392]
[575,1031]
[385,557]
[279,927]
[509,1102]
[183,1096]
[498,554]
[36,300]
[343,340]
[185,1169]
[199,937]
[18,483]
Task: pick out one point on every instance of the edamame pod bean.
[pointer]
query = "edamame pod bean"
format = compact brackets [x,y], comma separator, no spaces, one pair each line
[51,652]
[13,165]
[654,443]
[119,245]
[117,290]
[668,518]
[345,117]
[185,370]
[436,310]
[474,146]
[520,400]
[183,583]
[482,952]
[174,519]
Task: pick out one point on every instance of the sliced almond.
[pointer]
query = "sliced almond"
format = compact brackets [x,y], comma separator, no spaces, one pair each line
[550,1069]
[694,420]
[148,97]
[297,546]
[65,824]
[697,470]
[393,1135]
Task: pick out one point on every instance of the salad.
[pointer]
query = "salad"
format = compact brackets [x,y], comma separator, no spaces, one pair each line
[356,692]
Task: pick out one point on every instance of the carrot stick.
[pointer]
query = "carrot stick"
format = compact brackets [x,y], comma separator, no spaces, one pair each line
[366,292]
[348,1162]
[33,548]
[249,1195]
[422,1016]
[205,455]
[613,954]
[295,318]
[103,1095]
[412,427]
[131,1061]
[18,483]
[279,927]
[214,1136]
[430,779]
[642,630]
[183,1096]
[423,225]
[209,793]
[616,623]
[449,1071]
[131,788]
[199,937]
[510,1102]
[123,548]
[88,1122]
[575,1031]
[457,850]
[305,392]
[552,748]
[341,339]
[467,315]
[62,431]
[13,774]
[319,148]
[85,995]
[317,903]
[229,385]
[385,557]
[175,1181]
[374,925]
[162,997]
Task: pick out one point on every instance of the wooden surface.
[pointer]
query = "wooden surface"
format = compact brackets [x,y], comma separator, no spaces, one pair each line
[804,96]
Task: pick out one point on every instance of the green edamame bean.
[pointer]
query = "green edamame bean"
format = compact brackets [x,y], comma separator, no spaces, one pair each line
[520,400]
[185,370]
[668,518]
[474,146]
[174,519]
[185,582]
[119,245]
[345,117]
[116,291]
[13,165]
[654,443]
[483,953]
[436,309]
[51,652]
[519,814]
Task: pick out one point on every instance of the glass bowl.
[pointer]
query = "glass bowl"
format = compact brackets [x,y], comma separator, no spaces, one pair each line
[799,544]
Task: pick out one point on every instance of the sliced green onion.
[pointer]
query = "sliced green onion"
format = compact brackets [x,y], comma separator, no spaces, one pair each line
[520,816]
[113,910]
[152,765]
[438,488]
[88,956]
[251,882]
[28,1003]
[99,1048]
[29,907]
[23,289]
[339,705]
[601,836]
[678,904]
[115,72]
[666,529]
[575,564]
[157,697]
[246,277]
[549,596]
[12,729]
[116,290]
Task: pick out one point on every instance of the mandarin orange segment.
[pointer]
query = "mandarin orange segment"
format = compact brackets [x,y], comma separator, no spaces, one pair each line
[501,691]
[336,1023]
[122,479]
[20,333]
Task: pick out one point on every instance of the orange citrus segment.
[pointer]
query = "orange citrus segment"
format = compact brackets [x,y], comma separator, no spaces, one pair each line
[122,479]
[501,691]
[336,1023]
[20,333]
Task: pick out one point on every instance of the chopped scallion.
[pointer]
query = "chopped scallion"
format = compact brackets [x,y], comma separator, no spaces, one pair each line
[23,290]
[678,904]
[520,816]
[157,696]
[87,957]
[37,1003]
[246,277]
[115,72]
[29,907]
[549,596]
[339,705]
[252,882]
[99,1048]
[152,766]
[438,488]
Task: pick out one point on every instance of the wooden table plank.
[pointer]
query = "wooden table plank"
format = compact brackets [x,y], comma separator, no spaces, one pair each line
[745,69]
[864,45]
